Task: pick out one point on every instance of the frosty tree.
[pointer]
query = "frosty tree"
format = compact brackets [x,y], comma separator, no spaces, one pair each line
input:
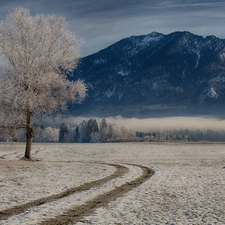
[37,53]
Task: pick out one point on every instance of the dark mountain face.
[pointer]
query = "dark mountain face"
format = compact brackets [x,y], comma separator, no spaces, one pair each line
[154,74]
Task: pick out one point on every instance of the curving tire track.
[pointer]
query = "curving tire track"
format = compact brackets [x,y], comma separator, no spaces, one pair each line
[74,214]
[121,170]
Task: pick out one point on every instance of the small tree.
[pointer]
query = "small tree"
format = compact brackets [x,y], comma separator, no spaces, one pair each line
[92,129]
[64,133]
[103,130]
[76,134]
[37,53]
[83,132]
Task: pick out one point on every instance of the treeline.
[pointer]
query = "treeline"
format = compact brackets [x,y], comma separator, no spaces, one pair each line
[90,131]
[161,137]
[41,134]
[183,135]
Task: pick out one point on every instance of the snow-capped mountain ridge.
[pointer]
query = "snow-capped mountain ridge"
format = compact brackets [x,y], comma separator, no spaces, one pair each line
[179,69]
[143,41]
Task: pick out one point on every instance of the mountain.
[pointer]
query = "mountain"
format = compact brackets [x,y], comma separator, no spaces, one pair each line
[154,75]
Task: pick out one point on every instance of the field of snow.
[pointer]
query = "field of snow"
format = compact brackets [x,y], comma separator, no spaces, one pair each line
[187,184]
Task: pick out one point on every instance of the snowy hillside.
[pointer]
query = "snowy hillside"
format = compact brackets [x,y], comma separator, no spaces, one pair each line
[143,72]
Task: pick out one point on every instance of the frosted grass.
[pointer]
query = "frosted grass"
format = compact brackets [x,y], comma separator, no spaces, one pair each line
[188,186]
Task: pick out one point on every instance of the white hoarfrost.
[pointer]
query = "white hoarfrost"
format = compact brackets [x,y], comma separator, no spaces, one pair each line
[187,187]
[38,53]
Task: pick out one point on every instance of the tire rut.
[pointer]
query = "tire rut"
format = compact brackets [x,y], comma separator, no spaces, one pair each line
[121,170]
[75,214]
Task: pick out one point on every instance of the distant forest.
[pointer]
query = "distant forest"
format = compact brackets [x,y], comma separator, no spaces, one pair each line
[183,135]
[91,131]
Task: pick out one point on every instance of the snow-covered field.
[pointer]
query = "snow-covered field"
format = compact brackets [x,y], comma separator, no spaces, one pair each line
[188,186]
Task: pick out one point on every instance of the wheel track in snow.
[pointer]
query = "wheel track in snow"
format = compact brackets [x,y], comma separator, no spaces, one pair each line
[74,214]
[23,207]
[18,154]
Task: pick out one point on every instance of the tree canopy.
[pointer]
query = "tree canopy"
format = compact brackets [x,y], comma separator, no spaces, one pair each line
[37,54]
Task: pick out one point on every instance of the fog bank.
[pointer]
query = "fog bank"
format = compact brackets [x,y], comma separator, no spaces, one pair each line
[151,124]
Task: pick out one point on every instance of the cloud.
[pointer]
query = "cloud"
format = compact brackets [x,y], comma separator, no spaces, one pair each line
[103,22]
[151,124]
[169,123]
[169,5]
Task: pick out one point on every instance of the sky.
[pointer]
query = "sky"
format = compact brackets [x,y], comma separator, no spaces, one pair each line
[101,23]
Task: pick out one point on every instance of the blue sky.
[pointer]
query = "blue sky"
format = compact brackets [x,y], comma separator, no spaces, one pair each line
[103,22]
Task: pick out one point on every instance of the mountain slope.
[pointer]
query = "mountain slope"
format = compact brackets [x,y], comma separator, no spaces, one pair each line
[140,74]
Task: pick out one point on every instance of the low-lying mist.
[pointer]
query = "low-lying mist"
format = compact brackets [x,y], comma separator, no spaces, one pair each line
[150,124]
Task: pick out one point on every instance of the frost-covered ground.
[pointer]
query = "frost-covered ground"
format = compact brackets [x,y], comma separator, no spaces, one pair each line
[188,186]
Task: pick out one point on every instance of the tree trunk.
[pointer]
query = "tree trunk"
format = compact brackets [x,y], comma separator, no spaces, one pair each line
[29,135]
